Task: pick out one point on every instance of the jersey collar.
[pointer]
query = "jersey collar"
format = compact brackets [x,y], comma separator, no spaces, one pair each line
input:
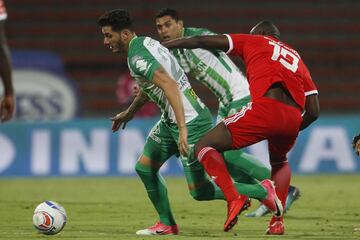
[131,41]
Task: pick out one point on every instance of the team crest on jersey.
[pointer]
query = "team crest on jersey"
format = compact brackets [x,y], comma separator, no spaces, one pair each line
[140,63]
[136,58]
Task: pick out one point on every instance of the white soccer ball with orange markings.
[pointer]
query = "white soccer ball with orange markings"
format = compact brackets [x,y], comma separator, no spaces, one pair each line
[49,217]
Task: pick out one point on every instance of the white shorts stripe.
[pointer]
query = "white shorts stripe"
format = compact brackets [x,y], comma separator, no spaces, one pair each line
[231,119]
[238,115]
[203,151]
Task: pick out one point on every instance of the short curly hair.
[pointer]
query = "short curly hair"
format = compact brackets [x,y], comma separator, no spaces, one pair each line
[118,19]
[168,12]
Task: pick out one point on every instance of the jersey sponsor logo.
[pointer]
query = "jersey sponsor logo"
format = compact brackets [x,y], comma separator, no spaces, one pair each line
[200,69]
[183,83]
[141,65]
[193,94]
[151,43]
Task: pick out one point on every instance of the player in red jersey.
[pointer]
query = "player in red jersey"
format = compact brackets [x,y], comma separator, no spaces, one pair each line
[281,91]
[7,105]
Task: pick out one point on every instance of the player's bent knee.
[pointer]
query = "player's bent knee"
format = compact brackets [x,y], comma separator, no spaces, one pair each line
[142,169]
[146,164]
[218,138]
[138,167]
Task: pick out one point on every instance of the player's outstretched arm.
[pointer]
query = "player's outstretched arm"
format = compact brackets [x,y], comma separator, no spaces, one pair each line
[122,118]
[312,110]
[207,42]
[171,90]
[7,105]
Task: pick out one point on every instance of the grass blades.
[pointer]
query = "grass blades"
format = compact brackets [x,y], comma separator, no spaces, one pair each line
[114,208]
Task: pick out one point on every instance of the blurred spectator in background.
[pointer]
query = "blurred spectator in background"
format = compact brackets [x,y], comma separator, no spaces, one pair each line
[356,144]
[7,104]
[125,93]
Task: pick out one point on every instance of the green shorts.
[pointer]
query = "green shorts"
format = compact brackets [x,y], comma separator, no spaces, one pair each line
[162,141]
[234,107]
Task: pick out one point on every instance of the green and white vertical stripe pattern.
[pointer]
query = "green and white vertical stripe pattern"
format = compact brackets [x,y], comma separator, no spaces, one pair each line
[214,69]
[145,56]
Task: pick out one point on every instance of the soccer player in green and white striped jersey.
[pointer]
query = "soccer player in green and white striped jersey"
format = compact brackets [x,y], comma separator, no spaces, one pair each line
[216,70]
[185,119]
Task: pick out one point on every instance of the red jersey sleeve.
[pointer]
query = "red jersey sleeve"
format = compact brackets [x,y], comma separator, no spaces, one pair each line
[237,43]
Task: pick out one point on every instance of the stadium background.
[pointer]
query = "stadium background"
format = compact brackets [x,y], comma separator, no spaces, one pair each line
[326,33]
[67,87]
[58,43]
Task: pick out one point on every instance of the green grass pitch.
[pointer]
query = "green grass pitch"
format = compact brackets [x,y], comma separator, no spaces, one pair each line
[114,208]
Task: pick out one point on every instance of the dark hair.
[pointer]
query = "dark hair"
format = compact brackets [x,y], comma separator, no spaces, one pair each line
[118,19]
[168,12]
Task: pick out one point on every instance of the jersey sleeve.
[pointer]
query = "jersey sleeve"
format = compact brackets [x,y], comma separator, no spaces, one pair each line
[206,32]
[190,31]
[143,63]
[236,43]
[3,14]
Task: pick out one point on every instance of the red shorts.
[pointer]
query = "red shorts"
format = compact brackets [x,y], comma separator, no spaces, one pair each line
[269,119]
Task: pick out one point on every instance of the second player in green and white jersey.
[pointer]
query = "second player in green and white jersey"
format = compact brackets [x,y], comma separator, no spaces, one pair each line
[215,70]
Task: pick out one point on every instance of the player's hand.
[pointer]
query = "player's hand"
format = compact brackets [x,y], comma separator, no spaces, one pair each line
[7,108]
[356,144]
[183,144]
[120,120]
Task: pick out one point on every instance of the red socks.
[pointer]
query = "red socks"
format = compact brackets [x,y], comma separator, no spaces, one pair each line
[281,174]
[215,166]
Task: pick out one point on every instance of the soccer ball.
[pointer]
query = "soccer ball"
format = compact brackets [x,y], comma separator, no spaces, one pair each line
[49,218]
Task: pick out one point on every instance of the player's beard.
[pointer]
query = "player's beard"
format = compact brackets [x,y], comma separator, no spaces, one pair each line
[119,47]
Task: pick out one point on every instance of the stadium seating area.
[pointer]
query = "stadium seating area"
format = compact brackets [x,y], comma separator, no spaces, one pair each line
[327,36]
